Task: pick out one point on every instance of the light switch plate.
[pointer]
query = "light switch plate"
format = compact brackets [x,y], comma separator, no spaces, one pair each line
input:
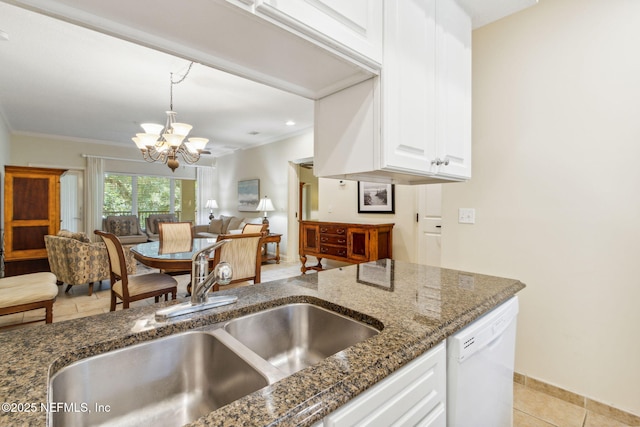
[466,216]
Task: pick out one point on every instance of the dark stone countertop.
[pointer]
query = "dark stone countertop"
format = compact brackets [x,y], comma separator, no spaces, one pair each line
[418,306]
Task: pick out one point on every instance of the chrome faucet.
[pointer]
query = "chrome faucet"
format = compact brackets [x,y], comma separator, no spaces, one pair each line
[201,283]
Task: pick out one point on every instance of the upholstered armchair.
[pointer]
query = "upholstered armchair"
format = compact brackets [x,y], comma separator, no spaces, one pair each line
[126,227]
[75,260]
[153,221]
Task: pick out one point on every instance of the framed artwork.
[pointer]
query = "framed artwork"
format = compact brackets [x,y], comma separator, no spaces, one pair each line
[374,197]
[248,195]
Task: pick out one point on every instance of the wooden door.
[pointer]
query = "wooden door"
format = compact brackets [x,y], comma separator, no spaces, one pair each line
[429,224]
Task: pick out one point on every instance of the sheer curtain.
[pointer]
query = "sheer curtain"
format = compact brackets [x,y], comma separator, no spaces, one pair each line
[206,178]
[94,194]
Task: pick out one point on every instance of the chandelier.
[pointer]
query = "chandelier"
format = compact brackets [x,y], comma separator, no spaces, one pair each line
[157,146]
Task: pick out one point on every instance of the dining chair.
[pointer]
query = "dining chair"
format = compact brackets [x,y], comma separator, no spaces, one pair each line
[175,237]
[254,228]
[133,288]
[243,254]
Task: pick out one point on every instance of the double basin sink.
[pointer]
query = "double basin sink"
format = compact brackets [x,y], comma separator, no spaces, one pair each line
[177,379]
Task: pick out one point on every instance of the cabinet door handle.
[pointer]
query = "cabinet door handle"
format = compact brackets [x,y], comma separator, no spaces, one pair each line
[342,241]
[340,231]
[437,161]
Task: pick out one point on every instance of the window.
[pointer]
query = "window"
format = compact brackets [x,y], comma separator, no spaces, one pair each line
[145,195]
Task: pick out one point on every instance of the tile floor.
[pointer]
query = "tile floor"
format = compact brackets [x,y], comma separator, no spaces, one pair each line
[531,408]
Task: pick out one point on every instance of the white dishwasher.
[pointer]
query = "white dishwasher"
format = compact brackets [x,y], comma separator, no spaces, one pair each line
[480,360]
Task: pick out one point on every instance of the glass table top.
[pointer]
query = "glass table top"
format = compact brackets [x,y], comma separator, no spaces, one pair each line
[153,250]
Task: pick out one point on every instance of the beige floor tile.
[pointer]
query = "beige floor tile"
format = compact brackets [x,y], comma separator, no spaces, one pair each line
[547,408]
[597,420]
[613,413]
[92,305]
[520,419]
[64,309]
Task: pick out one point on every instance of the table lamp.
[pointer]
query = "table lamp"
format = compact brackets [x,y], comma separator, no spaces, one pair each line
[211,204]
[265,205]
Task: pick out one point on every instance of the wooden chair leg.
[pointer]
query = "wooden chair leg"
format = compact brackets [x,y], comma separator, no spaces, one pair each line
[90,288]
[68,288]
[156,299]
[113,301]
[49,312]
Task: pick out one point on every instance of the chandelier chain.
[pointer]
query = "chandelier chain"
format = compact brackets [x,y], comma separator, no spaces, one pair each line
[175,83]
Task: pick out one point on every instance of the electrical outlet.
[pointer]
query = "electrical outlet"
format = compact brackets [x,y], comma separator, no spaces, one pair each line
[466,216]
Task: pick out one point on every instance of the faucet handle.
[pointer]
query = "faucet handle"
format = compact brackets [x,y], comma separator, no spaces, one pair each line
[223,273]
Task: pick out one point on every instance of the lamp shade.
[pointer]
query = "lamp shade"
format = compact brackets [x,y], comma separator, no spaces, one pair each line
[265,205]
[211,204]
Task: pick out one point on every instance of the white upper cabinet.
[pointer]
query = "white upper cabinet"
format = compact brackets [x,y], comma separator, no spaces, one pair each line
[418,128]
[352,27]
[453,97]
[408,83]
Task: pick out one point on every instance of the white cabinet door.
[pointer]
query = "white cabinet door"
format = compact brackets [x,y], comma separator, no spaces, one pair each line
[413,395]
[353,26]
[408,87]
[453,90]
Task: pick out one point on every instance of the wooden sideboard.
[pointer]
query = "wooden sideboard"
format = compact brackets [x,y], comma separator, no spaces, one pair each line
[354,243]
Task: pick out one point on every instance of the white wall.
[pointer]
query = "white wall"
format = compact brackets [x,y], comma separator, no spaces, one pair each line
[340,203]
[270,164]
[5,152]
[556,143]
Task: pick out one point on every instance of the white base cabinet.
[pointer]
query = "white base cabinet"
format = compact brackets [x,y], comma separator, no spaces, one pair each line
[415,395]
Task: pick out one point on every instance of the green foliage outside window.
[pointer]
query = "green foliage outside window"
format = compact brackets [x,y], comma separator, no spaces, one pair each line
[118,190]
[153,195]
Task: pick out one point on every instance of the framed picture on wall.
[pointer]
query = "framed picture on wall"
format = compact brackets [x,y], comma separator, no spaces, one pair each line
[374,197]
[248,195]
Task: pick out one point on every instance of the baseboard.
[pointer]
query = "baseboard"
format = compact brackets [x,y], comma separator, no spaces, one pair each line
[577,399]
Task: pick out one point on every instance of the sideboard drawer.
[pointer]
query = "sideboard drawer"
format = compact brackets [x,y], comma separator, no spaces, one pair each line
[333,229]
[333,239]
[333,250]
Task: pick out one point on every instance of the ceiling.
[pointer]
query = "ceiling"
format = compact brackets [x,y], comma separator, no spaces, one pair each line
[66,81]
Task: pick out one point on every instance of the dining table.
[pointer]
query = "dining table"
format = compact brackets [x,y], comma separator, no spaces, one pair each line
[170,257]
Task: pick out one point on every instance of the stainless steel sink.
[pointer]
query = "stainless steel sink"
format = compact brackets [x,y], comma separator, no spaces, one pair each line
[166,382]
[295,336]
[177,379]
